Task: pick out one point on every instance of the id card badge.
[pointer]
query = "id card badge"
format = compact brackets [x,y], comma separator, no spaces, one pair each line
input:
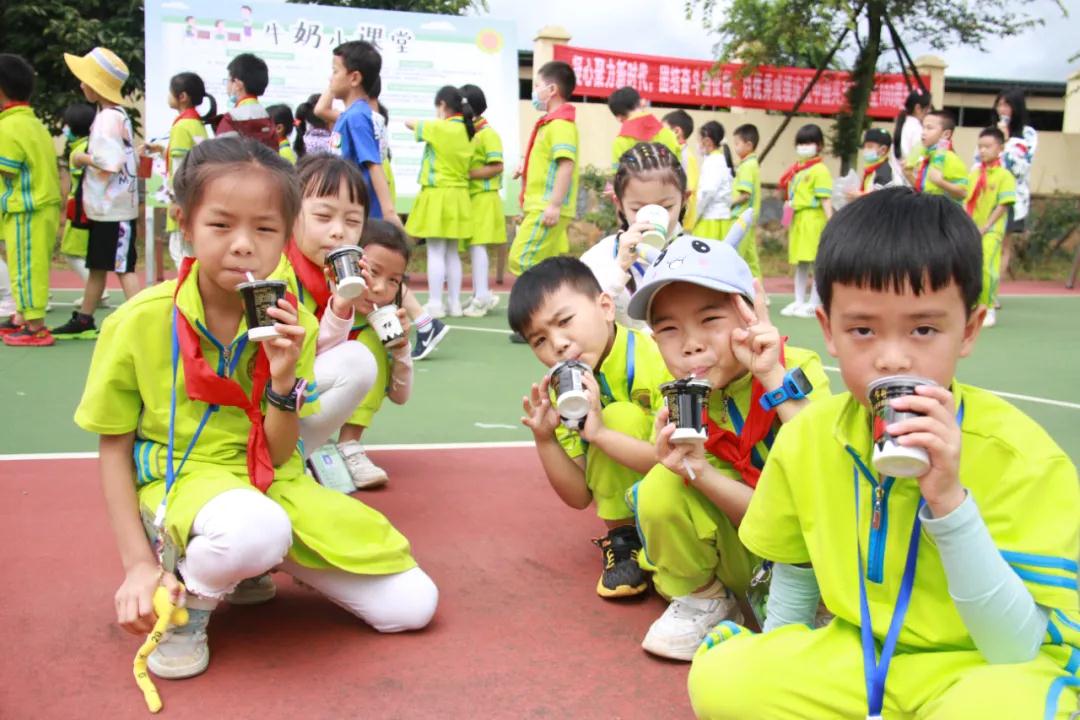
[164,546]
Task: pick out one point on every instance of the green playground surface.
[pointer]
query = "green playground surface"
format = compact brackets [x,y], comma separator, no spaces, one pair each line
[470,389]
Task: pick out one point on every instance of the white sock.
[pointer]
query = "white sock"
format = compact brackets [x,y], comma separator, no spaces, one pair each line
[78,264]
[436,258]
[479,256]
[802,271]
[453,272]
[815,299]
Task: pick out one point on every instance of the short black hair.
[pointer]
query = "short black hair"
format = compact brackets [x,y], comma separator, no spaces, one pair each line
[16,77]
[993,132]
[948,120]
[475,95]
[748,133]
[387,235]
[541,280]
[561,75]
[362,57]
[894,238]
[252,71]
[321,175]
[79,117]
[281,115]
[682,120]
[810,133]
[623,101]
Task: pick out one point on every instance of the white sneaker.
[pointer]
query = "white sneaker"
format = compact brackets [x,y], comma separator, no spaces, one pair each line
[492,302]
[991,318]
[365,474]
[103,303]
[435,310]
[475,308]
[688,619]
[183,651]
[790,309]
[253,591]
[806,310]
[454,310]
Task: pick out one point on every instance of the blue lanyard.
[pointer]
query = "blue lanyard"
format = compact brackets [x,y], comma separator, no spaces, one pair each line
[605,389]
[876,671]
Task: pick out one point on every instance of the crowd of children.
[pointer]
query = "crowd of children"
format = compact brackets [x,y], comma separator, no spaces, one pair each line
[767,554]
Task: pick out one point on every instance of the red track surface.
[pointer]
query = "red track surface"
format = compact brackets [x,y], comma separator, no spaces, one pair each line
[520,632]
[66,279]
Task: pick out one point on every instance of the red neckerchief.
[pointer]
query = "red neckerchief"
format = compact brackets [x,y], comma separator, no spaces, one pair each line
[795,169]
[980,185]
[310,276]
[202,383]
[642,128]
[871,169]
[187,114]
[942,145]
[479,124]
[565,112]
[16,103]
[738,449]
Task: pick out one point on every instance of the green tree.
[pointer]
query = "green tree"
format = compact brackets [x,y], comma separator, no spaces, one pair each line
[43,30]
[801,32]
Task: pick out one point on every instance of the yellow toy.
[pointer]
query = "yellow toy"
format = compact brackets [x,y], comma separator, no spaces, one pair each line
[167,612]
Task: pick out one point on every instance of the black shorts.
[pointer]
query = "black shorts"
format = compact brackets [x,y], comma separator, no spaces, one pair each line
[111,246]
[1013,225]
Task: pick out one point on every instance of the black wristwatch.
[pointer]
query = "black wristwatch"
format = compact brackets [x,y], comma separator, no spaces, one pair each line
[287,403]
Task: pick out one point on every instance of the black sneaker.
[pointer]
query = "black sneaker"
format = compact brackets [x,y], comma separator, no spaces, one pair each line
[79,327]
[428,338]
[622,576]
[518,339]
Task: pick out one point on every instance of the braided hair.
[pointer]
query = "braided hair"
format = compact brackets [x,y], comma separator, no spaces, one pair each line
[643,159]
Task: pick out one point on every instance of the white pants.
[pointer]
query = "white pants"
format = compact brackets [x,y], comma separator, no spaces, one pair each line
[242,533]
[479,255]
[7,300]
[343,375]
[444,264]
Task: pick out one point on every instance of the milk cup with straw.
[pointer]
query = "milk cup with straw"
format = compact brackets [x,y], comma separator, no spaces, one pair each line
[892,459]
[387,326]
[568,384]
[344,265]
[259,296]
[686,402]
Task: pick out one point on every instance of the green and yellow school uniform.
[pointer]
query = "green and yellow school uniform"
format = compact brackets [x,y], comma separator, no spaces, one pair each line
[128,391]
[555,140]
[663,135]
[362,333]
[949,163]
[186,133]
[806,192]
[285,150]
[687,539]
[748,180]
[1000,189]
[75,240]
[489,219]
[29,206]
[693,172]
[630,378]
[442,209]
[810,505]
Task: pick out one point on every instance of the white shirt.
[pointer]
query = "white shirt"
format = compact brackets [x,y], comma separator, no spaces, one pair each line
[110,188]
[613,279]
[714,188]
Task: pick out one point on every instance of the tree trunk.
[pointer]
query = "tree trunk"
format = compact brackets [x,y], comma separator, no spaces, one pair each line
[852,123]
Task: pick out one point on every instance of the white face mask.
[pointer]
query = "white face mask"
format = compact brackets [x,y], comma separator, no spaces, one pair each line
[807,150]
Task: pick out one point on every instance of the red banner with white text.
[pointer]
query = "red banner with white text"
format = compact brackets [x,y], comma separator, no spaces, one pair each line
[701,82]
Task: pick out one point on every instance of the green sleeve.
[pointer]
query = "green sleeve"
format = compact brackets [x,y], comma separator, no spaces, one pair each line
[563,137]
[822,182]
[493,147]
[111,402]
[771,528]
[1007,189]
[12,154]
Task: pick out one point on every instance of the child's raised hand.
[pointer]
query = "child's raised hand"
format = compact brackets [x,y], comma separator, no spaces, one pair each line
[628,245]
[594,421]
[937,431]
[403,318]
[935,175]
[756,346]
[687,460]
[540,416]
[134,600]
[284,351]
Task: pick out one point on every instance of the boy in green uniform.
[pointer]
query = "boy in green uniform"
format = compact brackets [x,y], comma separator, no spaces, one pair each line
[746,191]
[709,319]
[954,593]
[549,176]
[559,308]
[637,125]
[937,170]
[29,202]
[991,190]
